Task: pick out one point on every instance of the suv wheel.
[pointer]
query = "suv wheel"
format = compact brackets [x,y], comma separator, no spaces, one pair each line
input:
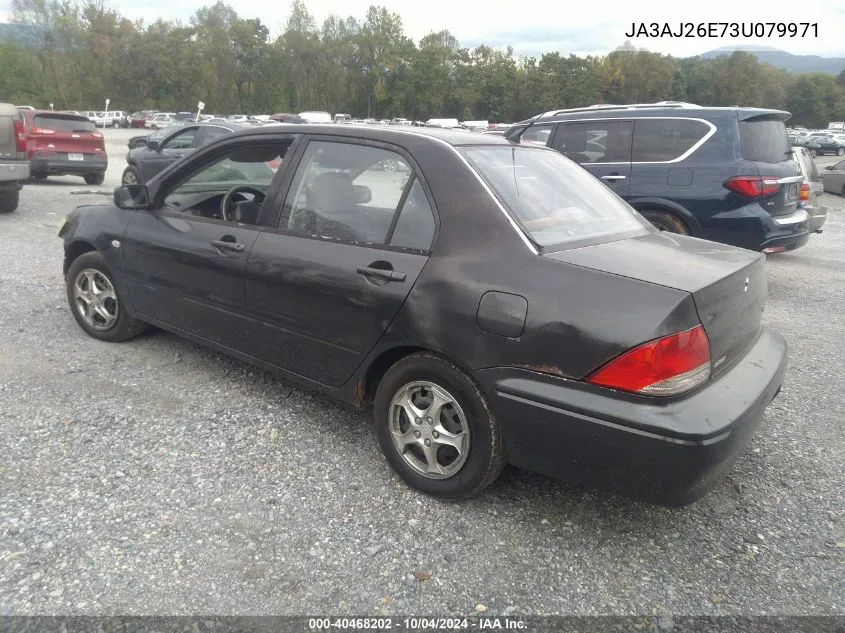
[95,179]
[9,198]
[436,428]
[665,221]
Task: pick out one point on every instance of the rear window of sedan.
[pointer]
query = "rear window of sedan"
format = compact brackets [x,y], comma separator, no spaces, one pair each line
[67,124]
[556,202]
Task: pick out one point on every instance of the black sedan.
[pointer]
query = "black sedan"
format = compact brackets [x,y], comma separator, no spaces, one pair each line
[166,147]
[493,303]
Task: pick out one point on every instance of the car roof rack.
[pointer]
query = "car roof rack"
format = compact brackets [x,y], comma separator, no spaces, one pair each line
[609,107]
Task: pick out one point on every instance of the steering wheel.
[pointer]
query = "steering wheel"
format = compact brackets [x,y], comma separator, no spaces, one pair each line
[226,202]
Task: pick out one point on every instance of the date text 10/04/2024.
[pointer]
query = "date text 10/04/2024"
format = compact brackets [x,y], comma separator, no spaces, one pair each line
[480,623]
[724,29]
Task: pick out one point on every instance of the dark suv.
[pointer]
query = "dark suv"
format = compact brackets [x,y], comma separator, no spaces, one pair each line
[722,174]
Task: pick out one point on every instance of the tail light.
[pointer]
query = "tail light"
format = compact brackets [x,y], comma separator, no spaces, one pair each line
[666,366]
[753,186]
[20,137]
[43,130]
[804,192]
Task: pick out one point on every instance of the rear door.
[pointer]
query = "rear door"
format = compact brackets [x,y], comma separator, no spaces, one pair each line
[170,149]
[602,147]
[765,148]
[324,286]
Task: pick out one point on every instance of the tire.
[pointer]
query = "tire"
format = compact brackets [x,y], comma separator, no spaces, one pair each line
[38,176]
[666,221]
[9,198]
[95,179]
[120,326]
[468,416]
[131,176]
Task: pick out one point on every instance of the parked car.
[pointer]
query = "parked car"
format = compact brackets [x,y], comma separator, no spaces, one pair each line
[139,119]
[160,120]
[316,116]
[179,141]
[437,300]
[141,139]
[811,190]
[723,174]
[14,166]
[831,144]
[99,119]
[60,144]
[833,178]
[810,144]
[115,118]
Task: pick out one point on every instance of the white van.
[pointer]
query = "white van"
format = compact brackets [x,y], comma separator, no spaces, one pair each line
[316,116]
[449,123]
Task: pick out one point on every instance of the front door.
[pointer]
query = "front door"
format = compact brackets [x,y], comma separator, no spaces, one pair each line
[603,147]
[185,260]
[354,235]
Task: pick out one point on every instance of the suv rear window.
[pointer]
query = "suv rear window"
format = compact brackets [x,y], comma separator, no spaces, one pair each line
[764,141]
[63,124]
[662,140]
[555,201]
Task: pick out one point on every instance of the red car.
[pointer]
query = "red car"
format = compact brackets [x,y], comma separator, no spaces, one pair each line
[139,119]
[60,144]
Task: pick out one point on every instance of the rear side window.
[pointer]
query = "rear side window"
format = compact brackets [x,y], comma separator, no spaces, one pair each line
[663,140]
[63,124]
[605,141]
[415,227]
[764,141]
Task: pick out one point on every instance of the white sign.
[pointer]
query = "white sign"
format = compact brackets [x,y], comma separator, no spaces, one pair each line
[201,105]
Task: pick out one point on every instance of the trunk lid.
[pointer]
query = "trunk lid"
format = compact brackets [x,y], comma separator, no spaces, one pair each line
[765,149]
[64,134]
[728,284]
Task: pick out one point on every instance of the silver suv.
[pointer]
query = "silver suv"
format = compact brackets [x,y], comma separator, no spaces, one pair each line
[14,167]
[810,193]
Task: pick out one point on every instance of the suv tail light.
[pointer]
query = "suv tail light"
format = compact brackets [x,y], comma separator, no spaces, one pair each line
[42,130]
[753,186]
[666,366]
[20,136]
[804,192]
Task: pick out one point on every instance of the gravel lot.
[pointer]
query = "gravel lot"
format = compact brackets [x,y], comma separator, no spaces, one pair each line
[156,477]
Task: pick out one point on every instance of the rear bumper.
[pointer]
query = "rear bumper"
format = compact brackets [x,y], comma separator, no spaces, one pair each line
[752,227]
[13,171]
[667,452]
[60,164]
[818,216]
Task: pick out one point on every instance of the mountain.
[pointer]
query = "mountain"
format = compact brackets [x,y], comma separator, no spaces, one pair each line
[783,60]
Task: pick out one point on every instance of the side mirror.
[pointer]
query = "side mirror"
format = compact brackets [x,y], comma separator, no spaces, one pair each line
[132,197]
[363,194]
[153,145]
[830,167]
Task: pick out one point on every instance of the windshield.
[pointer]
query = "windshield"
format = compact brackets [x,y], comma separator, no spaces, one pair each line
[554,200]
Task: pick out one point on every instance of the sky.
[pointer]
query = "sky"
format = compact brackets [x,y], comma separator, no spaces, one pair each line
[540,26]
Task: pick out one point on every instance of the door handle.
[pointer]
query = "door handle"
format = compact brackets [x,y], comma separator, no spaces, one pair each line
[228,245]
[613,177]
[381,273]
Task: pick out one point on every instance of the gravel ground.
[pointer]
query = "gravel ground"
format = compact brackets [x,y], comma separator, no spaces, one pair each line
[157,477]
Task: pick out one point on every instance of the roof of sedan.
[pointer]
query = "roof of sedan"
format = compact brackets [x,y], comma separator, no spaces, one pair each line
[382,132]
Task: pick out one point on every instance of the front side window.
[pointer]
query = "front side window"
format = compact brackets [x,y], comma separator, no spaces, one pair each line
[556,203]
[536,135]
[664,140]
[232,187]
[605,141]
[346,191]
[182,140]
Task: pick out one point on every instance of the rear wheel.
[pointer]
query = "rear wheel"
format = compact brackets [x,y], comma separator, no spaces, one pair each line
[436,428]
[96,305]
[9,198]
[38,176]
[666,221]
[131,176]
[95,179]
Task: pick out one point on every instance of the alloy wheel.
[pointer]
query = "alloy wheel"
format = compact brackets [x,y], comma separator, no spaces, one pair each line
[95,299]
[429,429]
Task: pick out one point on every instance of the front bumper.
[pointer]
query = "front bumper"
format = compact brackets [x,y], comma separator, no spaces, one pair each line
[60,164]
[669,452]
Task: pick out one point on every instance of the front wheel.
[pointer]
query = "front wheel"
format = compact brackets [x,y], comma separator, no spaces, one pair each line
[95,302]
[436,428]
[131,176]
[9,198]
